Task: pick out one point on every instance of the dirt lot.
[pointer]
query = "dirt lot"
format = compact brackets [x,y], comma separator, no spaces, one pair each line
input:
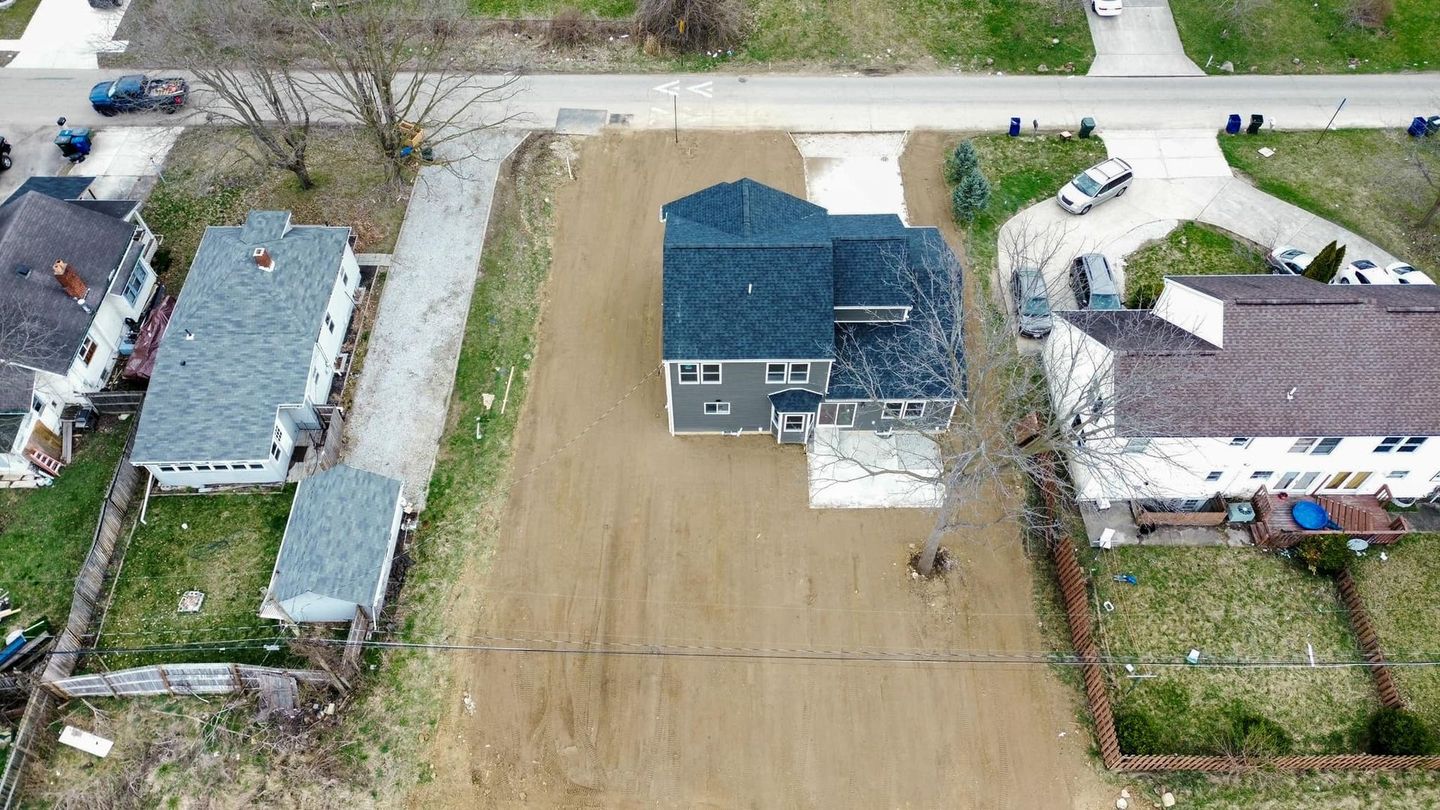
[628,536]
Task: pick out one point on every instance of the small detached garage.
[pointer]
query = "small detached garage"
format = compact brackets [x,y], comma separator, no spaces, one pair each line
[335,556]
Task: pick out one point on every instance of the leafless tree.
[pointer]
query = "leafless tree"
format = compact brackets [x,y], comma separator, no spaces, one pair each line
[692,25]
[26,338]
[244,55]
[1240,11]
[1003,419]
[398,68]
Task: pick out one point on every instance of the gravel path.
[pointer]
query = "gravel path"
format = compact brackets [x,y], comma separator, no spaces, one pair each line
[405,385]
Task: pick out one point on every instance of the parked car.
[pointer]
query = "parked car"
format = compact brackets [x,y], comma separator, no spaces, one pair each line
[1106,8]
[4,154]
[137,92]
[1407,274]
[1093,282]
[1288,261]
[1032,302]
[1364,271]
[1104,181]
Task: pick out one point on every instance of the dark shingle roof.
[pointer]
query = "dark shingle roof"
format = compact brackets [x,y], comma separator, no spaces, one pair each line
[35,231]
[214,397]
[17,386]
[795,400]
[1136,330]
[68,187]
[1348,353]
[339,536]
[870,250]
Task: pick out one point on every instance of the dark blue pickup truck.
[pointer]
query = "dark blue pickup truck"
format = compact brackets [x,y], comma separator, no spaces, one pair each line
[138,92]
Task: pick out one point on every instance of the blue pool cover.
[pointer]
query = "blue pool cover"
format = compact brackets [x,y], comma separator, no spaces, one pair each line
[1309,515]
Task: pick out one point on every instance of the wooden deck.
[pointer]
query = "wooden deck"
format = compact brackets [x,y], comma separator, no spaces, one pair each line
[1362,516]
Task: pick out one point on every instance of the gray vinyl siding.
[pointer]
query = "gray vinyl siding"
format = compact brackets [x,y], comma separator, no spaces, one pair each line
[868,415]
[870,315]
[742,384]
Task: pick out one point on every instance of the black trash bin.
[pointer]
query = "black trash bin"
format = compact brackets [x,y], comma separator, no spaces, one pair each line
[1417,127]
[1087,126]
[1014,127]
[1232,125]
[1432,125]
[1256,120]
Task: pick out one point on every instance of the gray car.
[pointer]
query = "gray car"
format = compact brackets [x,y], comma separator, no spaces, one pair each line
[1032,302]
[1105,180]
[1094,283]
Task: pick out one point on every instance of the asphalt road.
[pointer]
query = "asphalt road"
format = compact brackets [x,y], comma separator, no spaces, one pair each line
[33,98]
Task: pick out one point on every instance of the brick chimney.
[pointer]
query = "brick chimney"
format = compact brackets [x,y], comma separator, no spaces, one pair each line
[263,259]
[70,280]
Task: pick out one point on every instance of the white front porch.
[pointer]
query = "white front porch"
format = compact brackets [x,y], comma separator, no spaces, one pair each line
[862,469]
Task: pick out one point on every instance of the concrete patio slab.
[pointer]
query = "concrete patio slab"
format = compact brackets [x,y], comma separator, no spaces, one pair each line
[855,173]
[123,157]
[857,469]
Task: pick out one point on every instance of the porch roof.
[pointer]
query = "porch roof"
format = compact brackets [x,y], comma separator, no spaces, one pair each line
[795,400]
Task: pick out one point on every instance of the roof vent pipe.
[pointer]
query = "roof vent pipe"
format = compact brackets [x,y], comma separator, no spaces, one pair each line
[1290,395]
[749,289]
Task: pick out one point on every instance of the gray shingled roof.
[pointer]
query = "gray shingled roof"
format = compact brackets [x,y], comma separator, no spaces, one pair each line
[338,538]
[239,343]
[870,252]
[67,187]
[1135,330]
[1354,356]
[36,230]
[17,387]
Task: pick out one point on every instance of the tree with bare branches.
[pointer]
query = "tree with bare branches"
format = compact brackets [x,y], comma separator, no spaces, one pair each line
[1003,420]
[397,67]
[244,57]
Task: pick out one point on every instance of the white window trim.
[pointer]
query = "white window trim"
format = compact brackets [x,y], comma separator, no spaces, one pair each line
[838,404]
[1240,441]
[680,373]
[1396,475]
[1256,476]
[1211,476]
[790,376]
[1309,444]
[1320,443]
[784,372]
[905,413]
[720,408]
[719,373]
[785,422]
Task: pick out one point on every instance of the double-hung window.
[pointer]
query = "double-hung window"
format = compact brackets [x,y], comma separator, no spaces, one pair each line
[1303,445]
[1400,444]
[1325,447]
[914,410]
[1261,475]
[1240,441]
[1214,475]
[710,373]
[774,372]
[138,277]
[689,373]
[87,350]
[892,410]
[799,372]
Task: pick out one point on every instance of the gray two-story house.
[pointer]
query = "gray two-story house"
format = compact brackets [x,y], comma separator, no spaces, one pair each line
[772,305]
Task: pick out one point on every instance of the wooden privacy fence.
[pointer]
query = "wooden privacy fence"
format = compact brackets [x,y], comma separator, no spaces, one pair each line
[1074,592]
[179,679]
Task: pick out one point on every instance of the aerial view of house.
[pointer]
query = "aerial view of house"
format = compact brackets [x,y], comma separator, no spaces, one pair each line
[1232,383]
[335,557]
[775,308]
[250,353]
[76,277]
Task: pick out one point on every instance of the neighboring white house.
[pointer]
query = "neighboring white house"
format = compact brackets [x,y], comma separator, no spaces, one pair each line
[338,545]
[75,279]
[1233,382]
[250,352]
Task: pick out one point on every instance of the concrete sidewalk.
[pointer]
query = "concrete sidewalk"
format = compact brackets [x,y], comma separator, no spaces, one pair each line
[1141,41]
[404,392]
[66,34]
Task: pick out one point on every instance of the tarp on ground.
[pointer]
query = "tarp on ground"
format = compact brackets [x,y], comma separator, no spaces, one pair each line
[142,359]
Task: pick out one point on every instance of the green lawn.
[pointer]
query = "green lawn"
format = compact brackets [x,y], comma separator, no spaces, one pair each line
[1022,171]
[210,180]
[1402,594]
[14,19]
[1231,604]
[1190,250]
[613,9]
[1366,180]
[1280,31]
[45,533]
[1016,34]
[224,545]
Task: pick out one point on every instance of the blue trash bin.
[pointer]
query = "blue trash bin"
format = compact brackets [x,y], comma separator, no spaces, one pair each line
[1417,127]
[1232,125]
[1014,127]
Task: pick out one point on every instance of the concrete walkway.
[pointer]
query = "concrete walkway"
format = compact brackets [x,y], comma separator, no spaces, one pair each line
[1180,175]
[1141,41]
[409,372]
[66,34]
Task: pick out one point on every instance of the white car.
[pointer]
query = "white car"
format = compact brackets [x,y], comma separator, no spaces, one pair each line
[1106,8]
[1364,271]
[1407,274]
[1288,261]
[1106,180]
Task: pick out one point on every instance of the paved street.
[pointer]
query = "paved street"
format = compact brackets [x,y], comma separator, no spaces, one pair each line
[891,103]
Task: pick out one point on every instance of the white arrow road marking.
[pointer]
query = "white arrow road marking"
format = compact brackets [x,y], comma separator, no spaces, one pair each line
[658,111]
[670,88]
[702,89]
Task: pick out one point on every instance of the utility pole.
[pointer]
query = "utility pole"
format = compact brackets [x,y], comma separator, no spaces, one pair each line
[675,105]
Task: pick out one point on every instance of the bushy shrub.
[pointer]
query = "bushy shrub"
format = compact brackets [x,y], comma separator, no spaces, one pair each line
[692,25]
[1139,733]
[1398,731]
[1368,13]
[1324,554]
[1250,734]
[567,28]
[961,161]
[970,196]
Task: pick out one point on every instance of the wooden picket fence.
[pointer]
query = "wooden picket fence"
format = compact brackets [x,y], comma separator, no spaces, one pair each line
[1074,591]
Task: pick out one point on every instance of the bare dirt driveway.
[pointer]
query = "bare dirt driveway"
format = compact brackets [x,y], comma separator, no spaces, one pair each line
[633,540]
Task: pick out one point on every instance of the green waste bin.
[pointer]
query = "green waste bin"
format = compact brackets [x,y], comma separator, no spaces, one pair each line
[1087,126]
